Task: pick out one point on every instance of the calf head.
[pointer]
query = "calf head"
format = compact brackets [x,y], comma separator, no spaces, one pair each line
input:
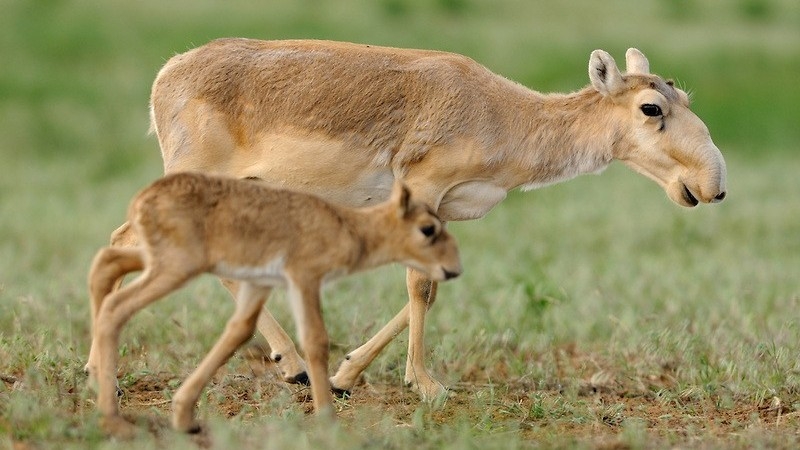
[657,134]
[420,238]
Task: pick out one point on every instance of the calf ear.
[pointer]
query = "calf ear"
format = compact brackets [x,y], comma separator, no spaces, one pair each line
[636,62]
[604,74]
[401,197]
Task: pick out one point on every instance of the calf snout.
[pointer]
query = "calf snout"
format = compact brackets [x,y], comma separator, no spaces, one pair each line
[450,275]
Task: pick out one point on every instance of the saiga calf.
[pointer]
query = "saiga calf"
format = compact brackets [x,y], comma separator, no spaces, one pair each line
[189,224]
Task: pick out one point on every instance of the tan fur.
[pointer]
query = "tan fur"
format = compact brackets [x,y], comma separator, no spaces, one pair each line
[344,120]
[189,223]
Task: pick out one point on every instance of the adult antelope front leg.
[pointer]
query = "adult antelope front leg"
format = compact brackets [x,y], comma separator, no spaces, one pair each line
[282,350]
[422,294]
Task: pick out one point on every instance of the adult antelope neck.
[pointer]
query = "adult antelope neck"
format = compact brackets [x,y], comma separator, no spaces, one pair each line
[565,135]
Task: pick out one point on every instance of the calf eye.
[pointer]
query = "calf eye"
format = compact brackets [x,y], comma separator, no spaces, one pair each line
[428,230]
[651,110]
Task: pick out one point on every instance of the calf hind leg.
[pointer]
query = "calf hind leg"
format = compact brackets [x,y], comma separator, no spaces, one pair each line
[240,328]
[115,311]
[108,267]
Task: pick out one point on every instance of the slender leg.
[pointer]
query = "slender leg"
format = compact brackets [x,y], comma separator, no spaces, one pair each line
[283,350]
[110,261]
[108,267]
[240,328]
[422,294]
[305,301]
[115,311]
[357,361]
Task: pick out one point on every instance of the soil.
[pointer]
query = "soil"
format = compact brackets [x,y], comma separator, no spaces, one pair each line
[611,403]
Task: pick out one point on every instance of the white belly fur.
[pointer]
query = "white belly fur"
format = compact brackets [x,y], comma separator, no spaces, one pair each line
[269,274]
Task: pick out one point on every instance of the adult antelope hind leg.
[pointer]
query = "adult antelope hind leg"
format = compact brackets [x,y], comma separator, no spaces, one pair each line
[283,352]
[422,294]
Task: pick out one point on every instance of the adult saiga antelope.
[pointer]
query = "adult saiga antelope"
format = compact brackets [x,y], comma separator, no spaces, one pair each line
[190,223]
[344,120]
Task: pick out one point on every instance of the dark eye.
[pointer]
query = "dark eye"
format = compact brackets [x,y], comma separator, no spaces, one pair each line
[428,230]
[651,110]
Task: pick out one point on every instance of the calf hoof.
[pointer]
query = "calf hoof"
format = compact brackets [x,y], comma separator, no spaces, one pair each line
[192,428]
[183,414]
[117,427]
[185,423]
[431,392]
[343,394]
[300,378]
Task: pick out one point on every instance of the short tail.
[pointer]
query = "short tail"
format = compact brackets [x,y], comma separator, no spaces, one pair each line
[152,129]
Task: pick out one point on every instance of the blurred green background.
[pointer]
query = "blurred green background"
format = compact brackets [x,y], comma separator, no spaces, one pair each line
[75,75]
[75,79]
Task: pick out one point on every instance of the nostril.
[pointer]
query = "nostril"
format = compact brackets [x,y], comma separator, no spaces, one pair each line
[448,275]
[720,196]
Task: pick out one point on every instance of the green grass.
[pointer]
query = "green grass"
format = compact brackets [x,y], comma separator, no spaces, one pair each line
[591,314]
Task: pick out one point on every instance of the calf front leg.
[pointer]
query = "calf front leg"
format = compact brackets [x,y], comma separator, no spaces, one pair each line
[305,300]
[357,361]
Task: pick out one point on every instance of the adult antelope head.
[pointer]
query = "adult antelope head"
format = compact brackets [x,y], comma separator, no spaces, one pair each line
[665,140]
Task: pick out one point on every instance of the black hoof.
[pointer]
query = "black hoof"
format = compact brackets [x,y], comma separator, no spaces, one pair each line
[340,393]
[194,430]
[119,392]
[300,378]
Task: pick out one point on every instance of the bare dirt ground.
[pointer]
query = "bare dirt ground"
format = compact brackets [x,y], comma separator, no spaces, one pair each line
[596,409]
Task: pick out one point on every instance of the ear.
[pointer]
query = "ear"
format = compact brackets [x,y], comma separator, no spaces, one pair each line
[636,62]
[604,74]
[401,197]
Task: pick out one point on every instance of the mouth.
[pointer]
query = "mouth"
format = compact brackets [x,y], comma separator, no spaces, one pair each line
[691,200]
